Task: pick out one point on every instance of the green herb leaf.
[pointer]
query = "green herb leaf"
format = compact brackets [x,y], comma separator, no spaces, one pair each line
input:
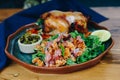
[53,37]
[81,59]
[40,21]
[70,62]
[94,48]
[40,55]
[34,56]
[75,34]
[62,50]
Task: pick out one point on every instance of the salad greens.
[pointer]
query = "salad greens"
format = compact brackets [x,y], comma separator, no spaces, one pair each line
[40,21]
[69,61]
[93,49]
[53,37]
[76,33]
[39,54]
[62,49]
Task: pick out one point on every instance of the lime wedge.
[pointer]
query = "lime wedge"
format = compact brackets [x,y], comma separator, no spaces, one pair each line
[104,35]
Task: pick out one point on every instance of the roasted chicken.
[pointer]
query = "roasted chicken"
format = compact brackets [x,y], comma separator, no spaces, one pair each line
[57,21]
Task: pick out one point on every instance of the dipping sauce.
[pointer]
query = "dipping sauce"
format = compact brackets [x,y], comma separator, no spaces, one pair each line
[29,38]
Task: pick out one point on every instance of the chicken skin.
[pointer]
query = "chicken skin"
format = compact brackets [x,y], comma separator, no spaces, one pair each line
[57,21]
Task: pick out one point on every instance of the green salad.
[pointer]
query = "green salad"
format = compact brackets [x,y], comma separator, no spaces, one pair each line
[67,49]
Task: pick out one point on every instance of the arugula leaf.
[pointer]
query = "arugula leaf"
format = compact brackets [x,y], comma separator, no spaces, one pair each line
[94,48]
[40,55]
[83,57]
[70,62]
[62,49]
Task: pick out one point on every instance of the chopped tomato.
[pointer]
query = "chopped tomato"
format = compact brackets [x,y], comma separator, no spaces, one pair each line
[45,36]
[33,31]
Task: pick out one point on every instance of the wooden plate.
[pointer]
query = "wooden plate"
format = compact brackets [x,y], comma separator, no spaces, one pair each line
[23,59]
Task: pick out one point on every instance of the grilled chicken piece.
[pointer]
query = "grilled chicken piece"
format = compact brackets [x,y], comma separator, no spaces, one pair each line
[57,21]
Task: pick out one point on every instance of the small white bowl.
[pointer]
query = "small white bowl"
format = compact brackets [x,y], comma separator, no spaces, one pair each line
[28,48]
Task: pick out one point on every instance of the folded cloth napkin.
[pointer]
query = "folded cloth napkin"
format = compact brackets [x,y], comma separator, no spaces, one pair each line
[30,15]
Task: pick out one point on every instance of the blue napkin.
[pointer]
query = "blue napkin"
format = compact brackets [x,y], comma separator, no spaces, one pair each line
[30,15]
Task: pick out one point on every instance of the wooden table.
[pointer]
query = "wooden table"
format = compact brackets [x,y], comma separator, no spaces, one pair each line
[107,69]
[5,13]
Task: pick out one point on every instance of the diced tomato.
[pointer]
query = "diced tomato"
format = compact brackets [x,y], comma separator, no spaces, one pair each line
[33,31]
[44,36]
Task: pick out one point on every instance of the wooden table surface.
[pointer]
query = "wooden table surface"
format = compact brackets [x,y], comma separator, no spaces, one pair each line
[107,69]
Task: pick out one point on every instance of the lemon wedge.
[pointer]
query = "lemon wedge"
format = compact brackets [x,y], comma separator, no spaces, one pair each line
[104,35]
